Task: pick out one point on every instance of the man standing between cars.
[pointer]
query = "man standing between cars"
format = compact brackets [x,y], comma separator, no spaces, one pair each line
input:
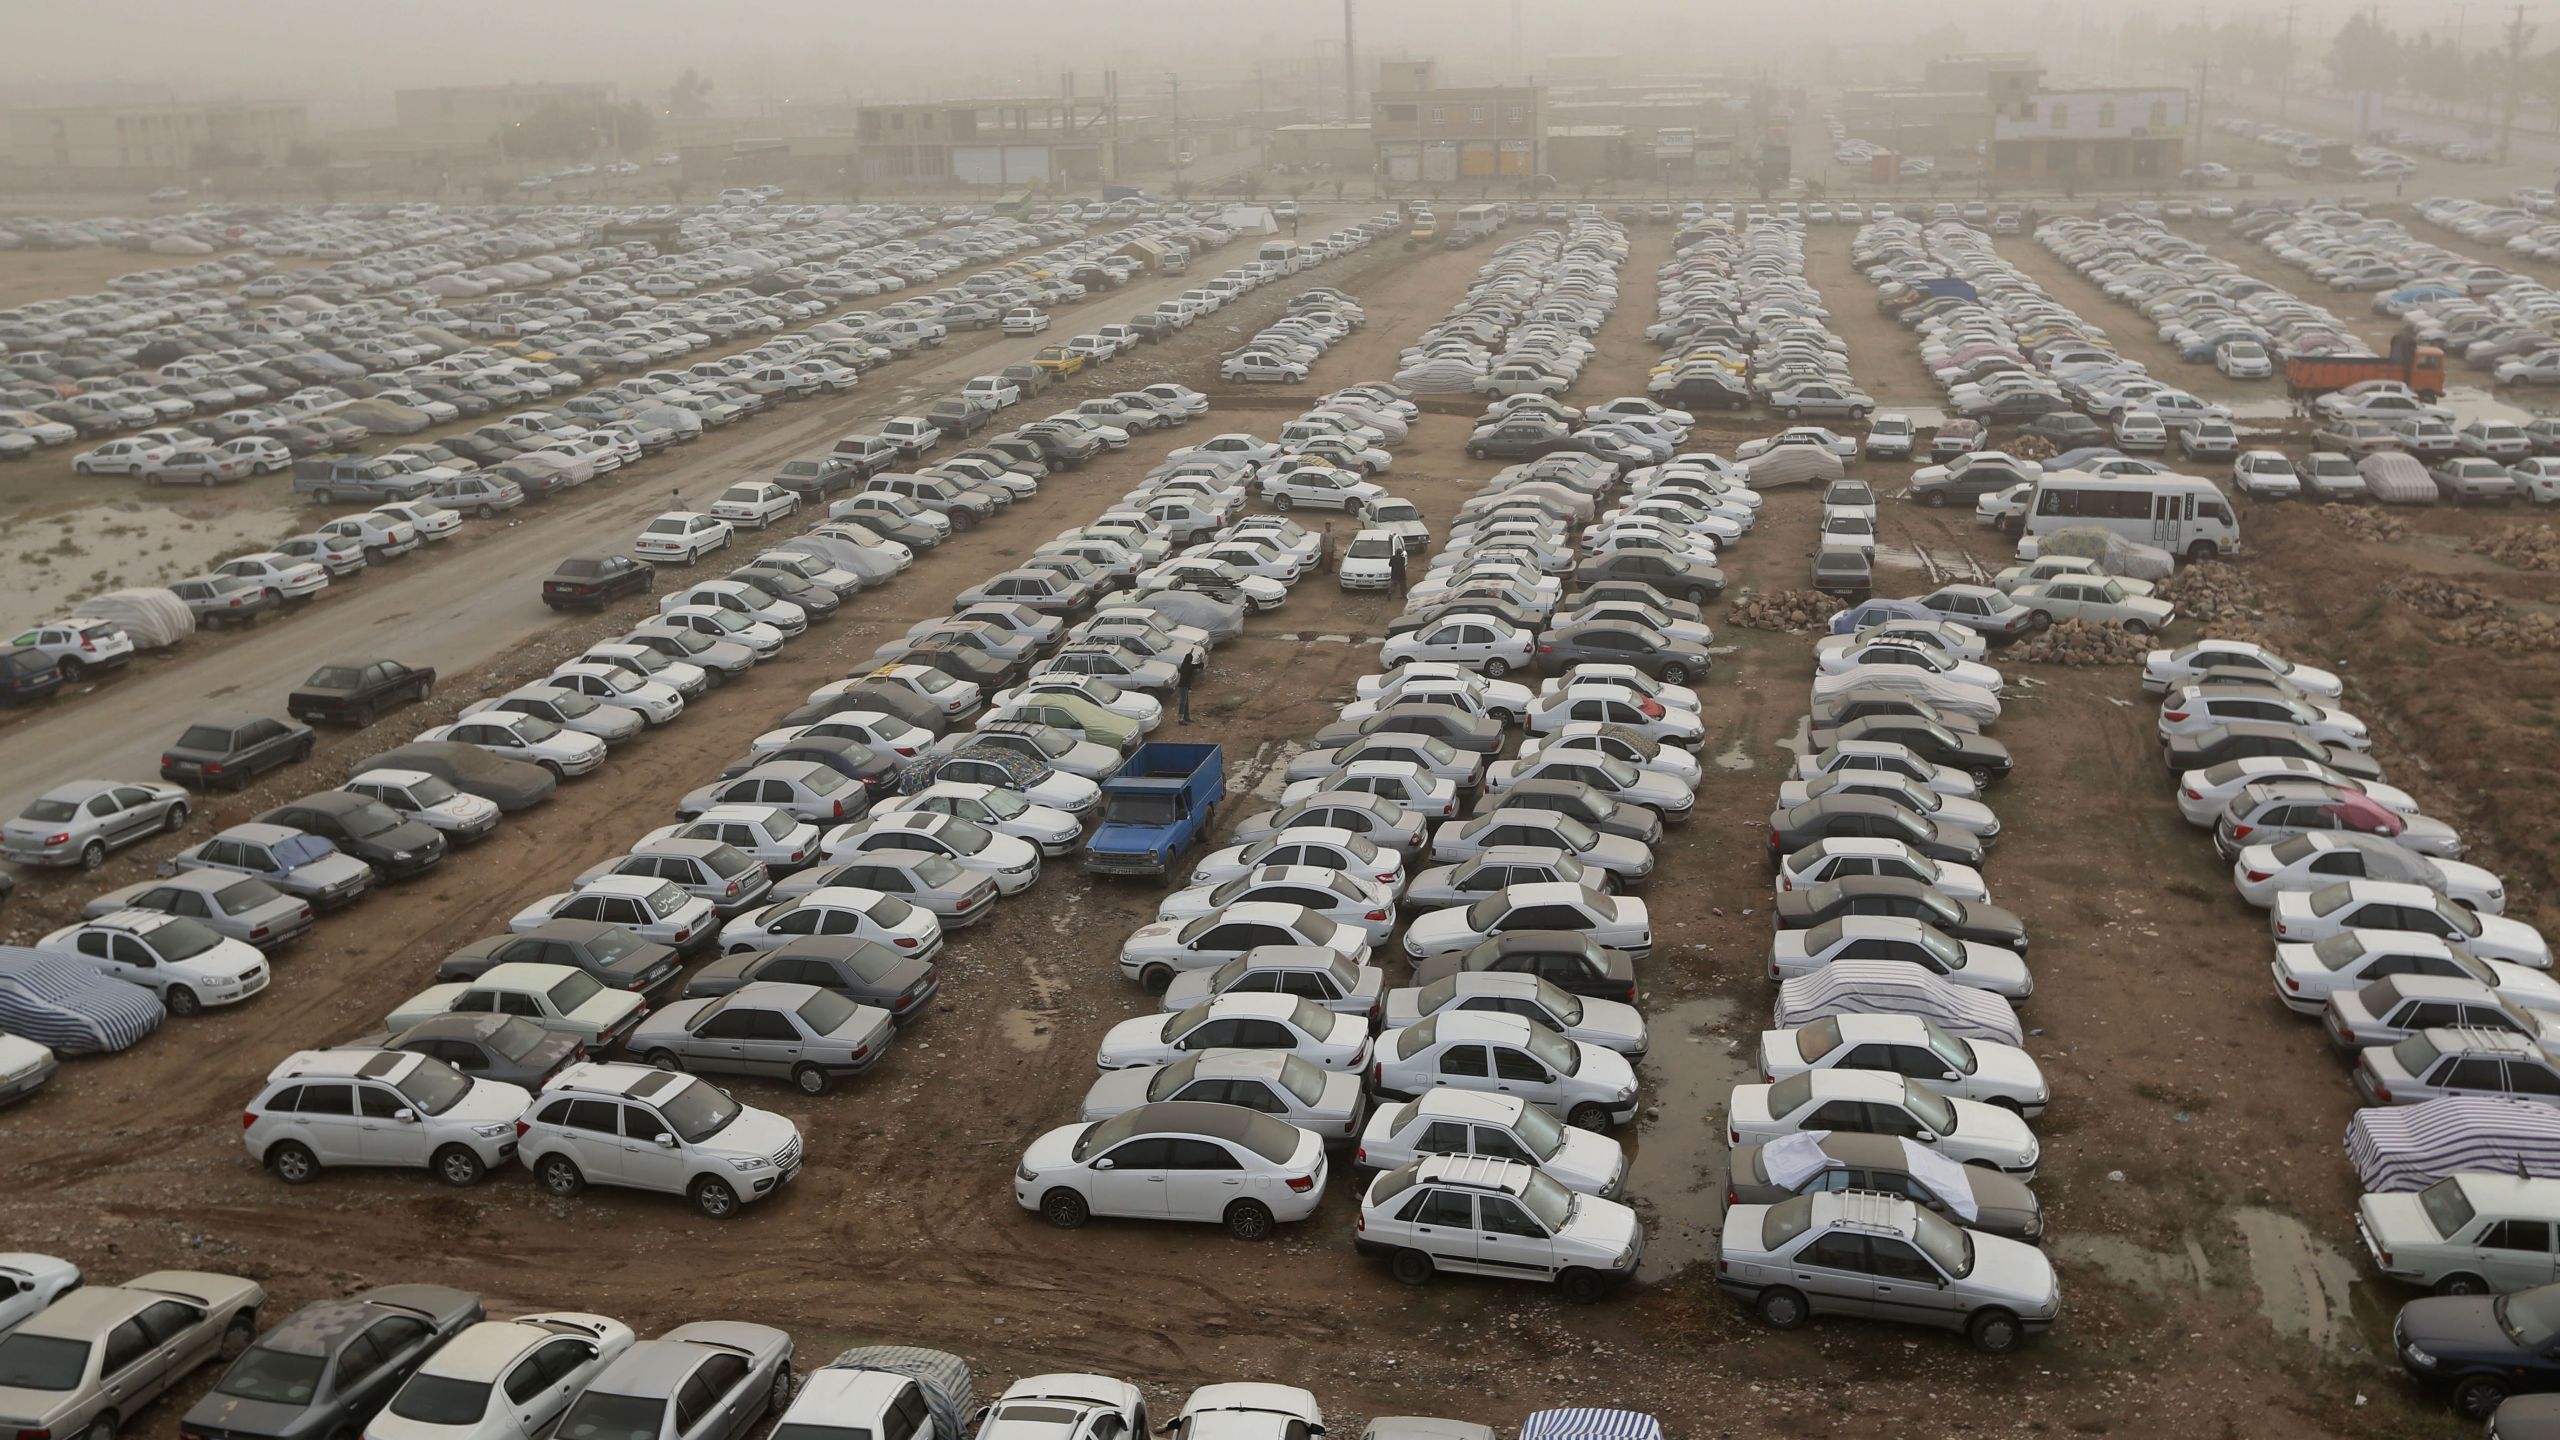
[1324,550]
[1395,570]
[1189,672]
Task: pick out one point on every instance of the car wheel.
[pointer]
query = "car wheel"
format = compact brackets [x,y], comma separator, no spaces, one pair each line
[237,1335]
[2462,1285]
[1412,1267]
[560,1175]
[1695,595]
[2137,627]
[1935,499]
[1281,501]
[1783,1309]
[81,468]
[665,1060]
[1995,1332]
[73,669]
[810,1079]
[293,1163]
[488,512]
[2200,552]
[1249,1220]
[93,854]
[778,1398]
[175,820]
[1795,412]
[1594,1118]
[182,1001]
[1065,1209]
[456,1166]
[1156,978]
[324,497]
[2478,1397]
[1581,1286]
[715,1198]
[554,767]
[2040,620]
[1675,674]
[1496,669]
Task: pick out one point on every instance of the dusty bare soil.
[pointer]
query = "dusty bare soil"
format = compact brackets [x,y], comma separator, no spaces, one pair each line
[2198,1199]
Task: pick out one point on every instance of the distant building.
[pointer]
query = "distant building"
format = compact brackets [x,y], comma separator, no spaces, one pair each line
[2100,135]
[155,137]
[1427,133]
[454,117]
[1056,140]
[1324,145]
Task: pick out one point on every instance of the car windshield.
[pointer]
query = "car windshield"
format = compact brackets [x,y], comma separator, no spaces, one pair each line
[49,812]
[299,850]
[2530,1317]
[1003,804]
[698,1112]
[1781,1223]
[274,1375]
[1550,1202]
[1948,1246]
[215,739]
[1302,1079]
[1818,1039]
[183,939]
[42,1362]
[889,912]
[334,677]
[1561,1055]
[667,900]
[441,1400]
[365,821]
[826,1010]
[517,1037]
[2446,1207]
[532,729]
[601,1416]
[1956,1052]
[936,870]
[242,896]
[573,990]
[432,1087]
[1931,1108]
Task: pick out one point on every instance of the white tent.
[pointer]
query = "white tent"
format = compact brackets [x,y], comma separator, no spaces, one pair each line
[1249,220]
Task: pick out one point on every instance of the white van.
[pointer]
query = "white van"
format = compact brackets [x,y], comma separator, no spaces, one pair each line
[1282,253]
[2186,515]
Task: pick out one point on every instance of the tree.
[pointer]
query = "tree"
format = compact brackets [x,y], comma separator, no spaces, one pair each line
[2364,57]
[690,95]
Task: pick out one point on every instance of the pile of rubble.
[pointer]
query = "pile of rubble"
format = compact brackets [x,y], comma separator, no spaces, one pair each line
[2212,593]
[2366,523]
[2079,642]
[2526,547]
[1789,612]
[2030,447]
[2467,617]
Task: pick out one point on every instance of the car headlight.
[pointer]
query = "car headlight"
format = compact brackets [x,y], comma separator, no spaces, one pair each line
[749,1162]
[1625,1093]
[2418,1357]
[401,854]
[1024,1173]
[491,1132]
[1625,1258]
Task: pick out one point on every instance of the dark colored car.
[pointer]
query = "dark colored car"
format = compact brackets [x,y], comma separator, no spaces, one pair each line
[2245,739]
[873,695]
[815,477]
[331,1366]
[956,417]
[864,971]
[2525,1417]
[1904,899]
[1029,379]
[1978,755]
[850,758]
[613,955]
[961,662]
[1690,580]
[816,601]
[506,1048]
[478,449]
[1456,728]
[353,692]
[1827,817]
[1843,574]
[1707,392]
[1064,449]
[1572,797]
[1850,706]
[511,785]
[365,828]
[229,751]
[595,581]
[538,482]
[2000,1204]
[2067,429]
[1568,959]
[2482,1348]
[27,676]
[1622,642]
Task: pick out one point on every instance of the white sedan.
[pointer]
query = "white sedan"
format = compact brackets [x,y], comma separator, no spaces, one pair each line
[1478,642]
[525,737]
[755,503]
[1619,922]
[2266,474]
[2163,670]
[280,575]
[682,535]
[438,1400]
[1240,1022]
[432,521]
[1916,653]
[846,910]
[2312,915]
[2320,858]
[2204,794]
[1361,905]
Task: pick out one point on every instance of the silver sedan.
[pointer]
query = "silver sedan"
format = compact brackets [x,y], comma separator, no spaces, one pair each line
[1329,1102]
[799,1032]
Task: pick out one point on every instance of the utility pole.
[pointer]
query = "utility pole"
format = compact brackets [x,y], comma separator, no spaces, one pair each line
[2284,81]
[1175,81]
[1350,68]
[2519,35]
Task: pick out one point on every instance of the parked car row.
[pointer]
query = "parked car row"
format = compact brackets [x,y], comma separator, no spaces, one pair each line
[2211,310]
[1524,325]
[1741,323]
[1886,1143]
[1994,340]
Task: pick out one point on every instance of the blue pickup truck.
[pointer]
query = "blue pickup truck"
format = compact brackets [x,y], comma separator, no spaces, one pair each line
[1155,807]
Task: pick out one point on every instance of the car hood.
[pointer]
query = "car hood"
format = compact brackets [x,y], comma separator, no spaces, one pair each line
[754,1132]
[1439,931]
[2445,1326]
[1119,1090]
[491,1102]
[241,1416]
[606,1009]
[1131,1039]
[2013,1272]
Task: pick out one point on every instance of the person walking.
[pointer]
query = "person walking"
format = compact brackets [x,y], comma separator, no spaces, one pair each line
[1395,570]
[1324,550]
[675,497]
[1182,682]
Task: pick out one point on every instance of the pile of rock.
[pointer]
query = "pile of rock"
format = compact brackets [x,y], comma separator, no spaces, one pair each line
[2213,593]
[1789,612]
[2366,523]
[2526,547]
[2080,642]
[2467,617]
[2031,447]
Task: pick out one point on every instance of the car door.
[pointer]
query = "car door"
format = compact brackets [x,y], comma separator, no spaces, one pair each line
[2513,1255]
[329,1123]
[1134,1181]
[650,1157]
[400,1342]
[382,1138]
[1517,1072]
[1444,1224]
[1831,1270]
[543,1383]
[1509,1240]
[1907,1287]
[1202,1177]
[592,1132]
[132,812]
[133,1368]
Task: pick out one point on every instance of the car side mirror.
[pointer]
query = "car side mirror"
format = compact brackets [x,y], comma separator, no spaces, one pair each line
[405,1115]
[1951,1075]
[666,1142]
[1106,1163]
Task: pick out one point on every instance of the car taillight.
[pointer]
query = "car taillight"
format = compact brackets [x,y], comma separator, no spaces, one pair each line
[2173,715]
[523,1128]
[796,854]
[965,903]
[2280,927]
[1378,1075]
[87,644]
[2194,794]
[248,1118]
[213,769]
[2241,831]
[905,944]
[1301,1184]
[258,934]
[1732,1135]
[2382,1093]
[2260,874]
[62,839]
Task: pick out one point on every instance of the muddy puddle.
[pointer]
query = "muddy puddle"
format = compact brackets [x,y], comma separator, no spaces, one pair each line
[2306,1287]
[69,556]
[1676,1157]
[2157,1272]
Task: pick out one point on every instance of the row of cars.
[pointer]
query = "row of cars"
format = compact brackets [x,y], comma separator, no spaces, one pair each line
[2211,310]
[1732,305]
[2435,998]
[415,1361]
[1880,1166]
[2496,319]
[1524,325]
[1992,338]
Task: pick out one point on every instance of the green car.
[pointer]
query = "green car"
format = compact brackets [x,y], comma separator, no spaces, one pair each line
[1075,715]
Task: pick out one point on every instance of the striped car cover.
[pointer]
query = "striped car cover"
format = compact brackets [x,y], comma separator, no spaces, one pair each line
[69,1007]
[1895,987]
[1589,1424]
[2409,1147]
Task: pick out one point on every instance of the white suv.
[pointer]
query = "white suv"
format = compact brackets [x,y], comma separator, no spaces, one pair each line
[79,644]
[1476,1215]
[323,1108]
[612,1124]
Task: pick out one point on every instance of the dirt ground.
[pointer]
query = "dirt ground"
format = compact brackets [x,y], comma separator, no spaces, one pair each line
[2199,1204]
[27,275]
